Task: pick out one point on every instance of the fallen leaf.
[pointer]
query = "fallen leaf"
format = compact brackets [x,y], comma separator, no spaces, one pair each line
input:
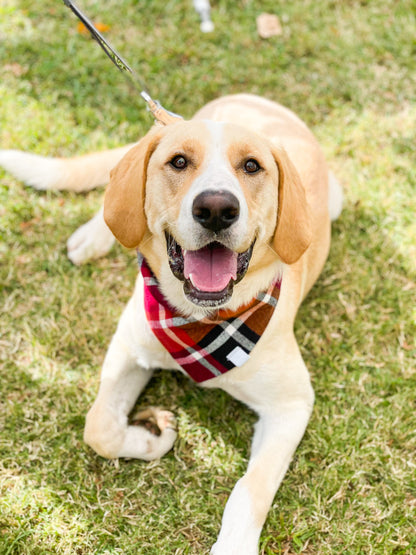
[268,25]
[406,346]
[29,223]
[15,68]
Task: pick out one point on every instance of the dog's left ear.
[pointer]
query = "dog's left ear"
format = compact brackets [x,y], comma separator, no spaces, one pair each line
[292,235]
[125,194]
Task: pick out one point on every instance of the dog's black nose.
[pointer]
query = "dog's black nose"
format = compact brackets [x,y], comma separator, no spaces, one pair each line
[216,210]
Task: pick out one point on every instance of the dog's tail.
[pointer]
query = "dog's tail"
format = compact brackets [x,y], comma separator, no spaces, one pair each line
[81,173]
[336,197]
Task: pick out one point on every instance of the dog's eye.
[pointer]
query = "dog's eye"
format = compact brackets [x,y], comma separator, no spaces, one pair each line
[179,162]
[251,166]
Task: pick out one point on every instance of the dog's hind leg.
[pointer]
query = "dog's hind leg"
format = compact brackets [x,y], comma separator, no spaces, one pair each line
[108,430]
[91,240]
[82,173]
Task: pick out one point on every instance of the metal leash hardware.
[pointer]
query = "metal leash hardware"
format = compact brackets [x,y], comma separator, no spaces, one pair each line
[158,111]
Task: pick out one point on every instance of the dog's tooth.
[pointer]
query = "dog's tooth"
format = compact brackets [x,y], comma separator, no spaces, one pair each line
[192,281]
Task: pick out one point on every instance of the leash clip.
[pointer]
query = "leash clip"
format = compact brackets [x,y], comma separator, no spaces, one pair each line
[165,117]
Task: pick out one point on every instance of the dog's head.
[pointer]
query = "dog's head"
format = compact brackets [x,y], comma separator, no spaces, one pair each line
[207,200]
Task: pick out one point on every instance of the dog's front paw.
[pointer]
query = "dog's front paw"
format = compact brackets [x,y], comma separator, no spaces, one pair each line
[155,420]
[244,549]
[91,240]
[240,531]
[157,427]
[150,434]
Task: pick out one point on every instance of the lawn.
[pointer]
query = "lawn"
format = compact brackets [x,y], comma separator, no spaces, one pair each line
[349,69]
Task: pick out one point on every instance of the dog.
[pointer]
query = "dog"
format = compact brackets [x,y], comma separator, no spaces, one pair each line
[231,215]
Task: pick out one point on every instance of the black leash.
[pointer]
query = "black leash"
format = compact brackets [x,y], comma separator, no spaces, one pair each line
[159,113]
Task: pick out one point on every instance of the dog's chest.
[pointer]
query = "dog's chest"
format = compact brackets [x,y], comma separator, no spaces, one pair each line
[206,349]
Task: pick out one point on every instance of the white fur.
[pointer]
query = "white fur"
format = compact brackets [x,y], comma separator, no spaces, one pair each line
[78,174]
[217,175]
[238,533]
[133,354]
[91,240]
[40,172]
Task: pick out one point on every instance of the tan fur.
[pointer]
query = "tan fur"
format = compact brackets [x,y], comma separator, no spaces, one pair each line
[124,206]
[293,230]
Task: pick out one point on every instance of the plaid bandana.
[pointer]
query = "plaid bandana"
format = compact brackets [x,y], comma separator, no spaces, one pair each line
[207,348]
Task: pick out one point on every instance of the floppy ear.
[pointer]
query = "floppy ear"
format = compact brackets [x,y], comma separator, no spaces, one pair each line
[125,194]
[292,235]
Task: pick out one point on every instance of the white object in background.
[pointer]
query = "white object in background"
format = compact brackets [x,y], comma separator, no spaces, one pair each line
[204,10]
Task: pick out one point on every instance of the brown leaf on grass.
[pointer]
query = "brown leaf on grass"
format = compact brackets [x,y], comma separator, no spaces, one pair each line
[15,68]
[29,223]
[268,25]
[411,500]
[406,346]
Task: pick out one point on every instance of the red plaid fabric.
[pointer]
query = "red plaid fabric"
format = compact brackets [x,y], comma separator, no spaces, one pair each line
[207,348]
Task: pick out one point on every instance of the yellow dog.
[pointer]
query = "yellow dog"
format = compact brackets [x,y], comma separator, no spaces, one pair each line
[231,214]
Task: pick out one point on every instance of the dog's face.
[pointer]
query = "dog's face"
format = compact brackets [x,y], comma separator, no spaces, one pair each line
[207,200]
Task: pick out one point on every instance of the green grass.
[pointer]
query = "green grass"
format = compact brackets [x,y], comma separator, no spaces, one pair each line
[348,68]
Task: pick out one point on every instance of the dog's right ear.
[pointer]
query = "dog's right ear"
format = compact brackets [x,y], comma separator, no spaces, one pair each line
[125,194]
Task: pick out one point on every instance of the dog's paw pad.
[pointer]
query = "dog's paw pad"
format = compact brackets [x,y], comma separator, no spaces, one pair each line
[155,420]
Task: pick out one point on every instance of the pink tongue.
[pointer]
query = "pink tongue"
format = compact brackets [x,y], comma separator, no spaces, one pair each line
[210,268]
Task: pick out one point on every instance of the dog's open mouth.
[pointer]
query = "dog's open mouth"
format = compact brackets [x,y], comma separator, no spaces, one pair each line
[209,273]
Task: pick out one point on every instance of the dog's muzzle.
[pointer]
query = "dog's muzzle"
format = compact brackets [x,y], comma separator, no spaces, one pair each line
[209,273]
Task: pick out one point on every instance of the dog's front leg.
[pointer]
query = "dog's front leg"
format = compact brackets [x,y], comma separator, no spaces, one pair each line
[107,428]
[279,430]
